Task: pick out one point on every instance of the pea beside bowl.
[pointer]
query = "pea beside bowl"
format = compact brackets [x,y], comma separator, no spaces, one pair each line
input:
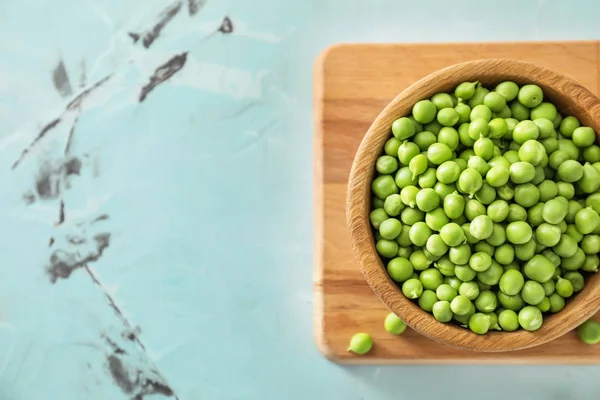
[569,97]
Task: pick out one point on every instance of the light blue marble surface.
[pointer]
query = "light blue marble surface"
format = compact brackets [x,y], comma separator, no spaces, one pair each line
[206,186]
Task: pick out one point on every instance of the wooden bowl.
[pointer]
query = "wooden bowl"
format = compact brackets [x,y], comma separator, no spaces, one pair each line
[569,97]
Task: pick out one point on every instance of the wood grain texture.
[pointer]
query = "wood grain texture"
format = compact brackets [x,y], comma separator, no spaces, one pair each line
[353,83]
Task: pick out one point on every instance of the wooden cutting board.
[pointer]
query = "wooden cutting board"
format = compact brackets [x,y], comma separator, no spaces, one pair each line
[352,84]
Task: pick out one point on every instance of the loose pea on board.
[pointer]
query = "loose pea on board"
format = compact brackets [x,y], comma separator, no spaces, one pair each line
[485,208]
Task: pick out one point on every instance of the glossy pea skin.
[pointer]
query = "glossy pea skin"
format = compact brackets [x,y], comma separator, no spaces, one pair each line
[393,205]
[589,332]
[548,190]
[527,194]
[587,220]
[424,111]
[479,323]
[454,205]
[518,232]
[424,139]
[539,268]
[568,126]
[521,172]
[533,293]
[508,321]
[486,195]
[530,95]
[360,343]
[530,318]
[584,136]
[384,186]
[377,216]
[403,128]
[511,282]
[394,325]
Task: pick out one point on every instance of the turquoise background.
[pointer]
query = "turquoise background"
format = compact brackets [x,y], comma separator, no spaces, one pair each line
[207,185]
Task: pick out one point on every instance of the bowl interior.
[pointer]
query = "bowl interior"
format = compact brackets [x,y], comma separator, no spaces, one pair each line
[568,96]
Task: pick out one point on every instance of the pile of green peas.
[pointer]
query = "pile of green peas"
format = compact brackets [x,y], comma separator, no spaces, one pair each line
[485,206]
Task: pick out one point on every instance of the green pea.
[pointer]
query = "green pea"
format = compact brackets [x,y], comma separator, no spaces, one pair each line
[403,239]
[424,139]
[460,305]
[443,189]
[509,90]
[591,154]
[433,127]
[408,195]
[411,216]
[441,311]
[533,293]
[427,299]
[544,110]
[384,186]
[391,146]
[534,215]
[424,111]
[419,260]
[469,289]
[478,128]
[436,246]
[519,111]
[448,116]
[470,181]
[593,201]
[377,216]
[448,172]
[445,292]
[486,301]
[387,248]
[492,275]
[480,261]
[527,194]
[466,90]
[464,112]
[514,303]
[485,248]
[584,136]
[465,273]
[548,190]
[407,151]
[539,268]
[550,144]
[566,190]
[574,233]
[532,152]
[484,148]
[404,177]
[479,323]
[466,227]
[386,165]
[452,234]
[479,164]
[546,127]
[462,164]
[438,153]
[568,126]
[403,128]
[498,127]
[516,213]
[436,219]
[511,123]
[524,131]
[557,303]
[418,126]
[400,269]
[463,134]
[556,122]
[498,210]
[486,195]
[566,247]
[404,251]
[530,318]
[418,165]
[564,287]
[505,192]
[481,227]
[497,176]
[530,95]
[360,343]
[505,254]
[508,320]
[390,228]
[377,202]
[445,266]
[549,287]
[544,305]
[442,100]
[547,234]
[412,288]
[591,244]
[576,280]
[454,205]
[589,332]
[426,199]
[590,179]
[574,262]
[478,96]
[555,210]
[393,205]
[419,233]
[511,282]
[394,325]
[570,147]
[570,171]
[522,172]
[518,232]
[498,236]
[591,263]
[587,220]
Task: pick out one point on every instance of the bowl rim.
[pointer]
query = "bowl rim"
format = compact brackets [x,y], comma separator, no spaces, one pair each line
[573,97]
